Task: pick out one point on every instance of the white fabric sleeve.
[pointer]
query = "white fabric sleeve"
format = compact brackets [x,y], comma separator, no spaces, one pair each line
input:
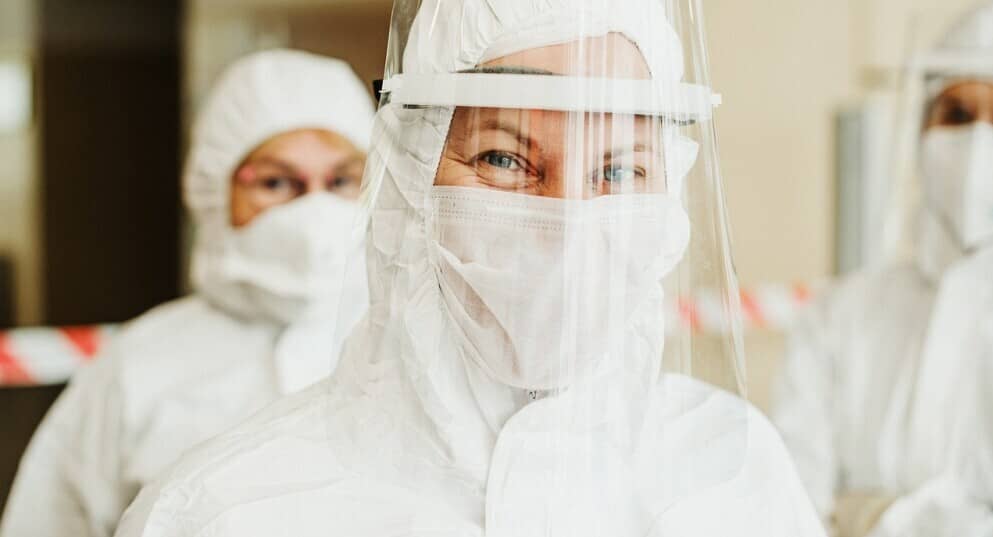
[136,518]
[766,498]
[941,508]
[959,502]
[68,482]
[803,405]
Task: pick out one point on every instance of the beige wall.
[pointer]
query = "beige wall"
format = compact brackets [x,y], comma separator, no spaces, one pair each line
[19,233]
[782,67]
[219,31]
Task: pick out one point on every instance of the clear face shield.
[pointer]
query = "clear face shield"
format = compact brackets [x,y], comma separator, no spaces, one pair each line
[544,205]
[943,158]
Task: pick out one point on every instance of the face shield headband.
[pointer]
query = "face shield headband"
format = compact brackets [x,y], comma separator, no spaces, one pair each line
[678,102]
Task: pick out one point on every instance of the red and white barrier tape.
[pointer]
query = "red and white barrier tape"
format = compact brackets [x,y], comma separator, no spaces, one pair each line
[45,356]
[765,307]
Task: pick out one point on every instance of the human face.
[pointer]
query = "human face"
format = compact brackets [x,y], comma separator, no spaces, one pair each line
[961,104]
[553,153]
[292,165]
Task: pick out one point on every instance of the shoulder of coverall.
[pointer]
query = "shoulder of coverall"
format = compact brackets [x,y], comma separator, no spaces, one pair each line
[716,406]
[294,425]
[176,342]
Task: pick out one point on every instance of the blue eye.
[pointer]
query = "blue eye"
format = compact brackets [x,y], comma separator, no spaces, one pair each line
[619,175]
[502,161]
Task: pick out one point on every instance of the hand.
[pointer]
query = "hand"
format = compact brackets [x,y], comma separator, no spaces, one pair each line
[856,513]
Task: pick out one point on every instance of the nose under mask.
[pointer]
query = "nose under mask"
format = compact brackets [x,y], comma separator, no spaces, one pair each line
[957,165]
[287,261]
[544,290]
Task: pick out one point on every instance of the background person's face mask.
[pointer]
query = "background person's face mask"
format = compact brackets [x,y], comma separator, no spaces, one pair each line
[957,163]
[288,260]
[544,288]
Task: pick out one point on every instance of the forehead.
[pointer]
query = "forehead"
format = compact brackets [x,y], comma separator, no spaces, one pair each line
[969,91]
[609,56]
[304,144]
[548,120]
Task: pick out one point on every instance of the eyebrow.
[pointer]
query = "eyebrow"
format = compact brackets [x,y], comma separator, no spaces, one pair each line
[286,167]
[289,168]
[527,141]
[356,158]
[508,128]
[636,148]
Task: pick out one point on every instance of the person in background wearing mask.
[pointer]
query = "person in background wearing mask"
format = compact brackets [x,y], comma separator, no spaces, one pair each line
[883,399]
[530,189]
[271,180]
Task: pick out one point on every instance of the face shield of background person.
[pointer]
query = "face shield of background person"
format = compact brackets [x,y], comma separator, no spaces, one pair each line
[957,160]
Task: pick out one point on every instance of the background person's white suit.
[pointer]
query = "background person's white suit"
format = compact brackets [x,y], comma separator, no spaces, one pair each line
[251,332]
[883,401]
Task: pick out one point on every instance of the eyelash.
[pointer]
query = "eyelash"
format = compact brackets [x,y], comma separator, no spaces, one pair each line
[279,181]
[639,172]
[517,160]
[598,176]
[958,114]
[276,181]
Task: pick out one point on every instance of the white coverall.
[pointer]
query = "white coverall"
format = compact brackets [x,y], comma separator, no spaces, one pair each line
[886,435]
[189,369]
[413,437]
[884,402]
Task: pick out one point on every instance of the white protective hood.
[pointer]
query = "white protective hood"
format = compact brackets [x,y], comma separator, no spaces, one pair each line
[408,321]
[259,97]
[408,354]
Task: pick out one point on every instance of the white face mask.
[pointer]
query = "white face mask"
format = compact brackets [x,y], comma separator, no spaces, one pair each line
[543,288]
[957,163]
[288,261]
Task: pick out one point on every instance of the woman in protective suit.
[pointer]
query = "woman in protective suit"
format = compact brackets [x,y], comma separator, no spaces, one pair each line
[528,187]
[271,181]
